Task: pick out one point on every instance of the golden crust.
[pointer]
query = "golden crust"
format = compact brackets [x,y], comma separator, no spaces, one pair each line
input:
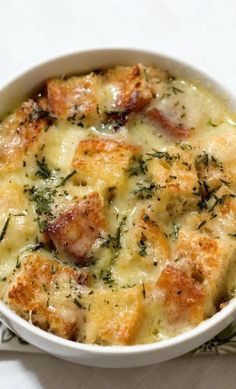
[75,230]
[183,297]
[38,293]
[114,317]
[108,157]
[19,134]
[154,236]
[75,98]
[174,170]
[132,91]
[209,261]
[98,98]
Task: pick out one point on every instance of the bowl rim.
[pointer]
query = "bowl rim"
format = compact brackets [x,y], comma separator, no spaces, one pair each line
[164,344]
[229,311]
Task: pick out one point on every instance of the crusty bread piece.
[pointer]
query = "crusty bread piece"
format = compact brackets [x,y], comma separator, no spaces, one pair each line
[19,134]
[114,316]
[101,163]
[208,260]
[75,230]
[41,292]
[183,298]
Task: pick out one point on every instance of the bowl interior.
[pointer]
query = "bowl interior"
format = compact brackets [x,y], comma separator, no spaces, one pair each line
[29,82]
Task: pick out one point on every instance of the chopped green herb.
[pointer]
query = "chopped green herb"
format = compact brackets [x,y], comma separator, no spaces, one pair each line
[142,245]
[42,224]
[106,276]
[155,331]
[43,199]
[146,192]
[206,160]
[165,95]
[76,302]
[65,179]
[44,172]
[176,90]
[201,224]
[18,264]
[227,183]
[119,232]
[4,230]
[164,155]
[144,291]
[141,168]
[210,123]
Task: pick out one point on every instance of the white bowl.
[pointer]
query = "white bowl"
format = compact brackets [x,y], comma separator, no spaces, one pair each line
[110,356]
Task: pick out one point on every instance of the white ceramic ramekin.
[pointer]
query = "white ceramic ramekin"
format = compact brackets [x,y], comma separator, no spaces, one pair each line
[112,356]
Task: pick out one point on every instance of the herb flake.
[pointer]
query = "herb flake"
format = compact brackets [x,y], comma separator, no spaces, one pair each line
[4,230]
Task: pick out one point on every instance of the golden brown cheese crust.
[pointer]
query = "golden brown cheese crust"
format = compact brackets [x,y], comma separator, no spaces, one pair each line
[114,316]
[76,97]
[209,261]
[98,98]
[76,229]
[132,91]
[109,158]
[39,293]
[183,299]
[19,134]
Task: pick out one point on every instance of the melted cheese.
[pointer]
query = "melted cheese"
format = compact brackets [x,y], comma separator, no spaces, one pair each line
[157,247]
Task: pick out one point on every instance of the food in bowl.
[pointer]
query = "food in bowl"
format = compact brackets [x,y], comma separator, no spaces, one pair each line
[118,206]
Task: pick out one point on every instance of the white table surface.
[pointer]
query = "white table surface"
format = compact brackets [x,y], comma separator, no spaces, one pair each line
[201,32]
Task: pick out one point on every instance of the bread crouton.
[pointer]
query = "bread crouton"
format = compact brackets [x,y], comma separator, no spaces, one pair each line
[173,169]
[209,261]
[114,316]
[19,134]
[101,163]
[75,230]
[40,293]
[182,297]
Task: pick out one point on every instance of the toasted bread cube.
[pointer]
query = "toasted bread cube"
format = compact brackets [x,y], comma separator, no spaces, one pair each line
[225,209]
[146,241]
[76,98]
[209,261]
[114,317]
[144,250]
[126,88]
[75,230]
[211,171]
[39,293]
[20,133]
[101,163]
[174,170]
[182,298]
